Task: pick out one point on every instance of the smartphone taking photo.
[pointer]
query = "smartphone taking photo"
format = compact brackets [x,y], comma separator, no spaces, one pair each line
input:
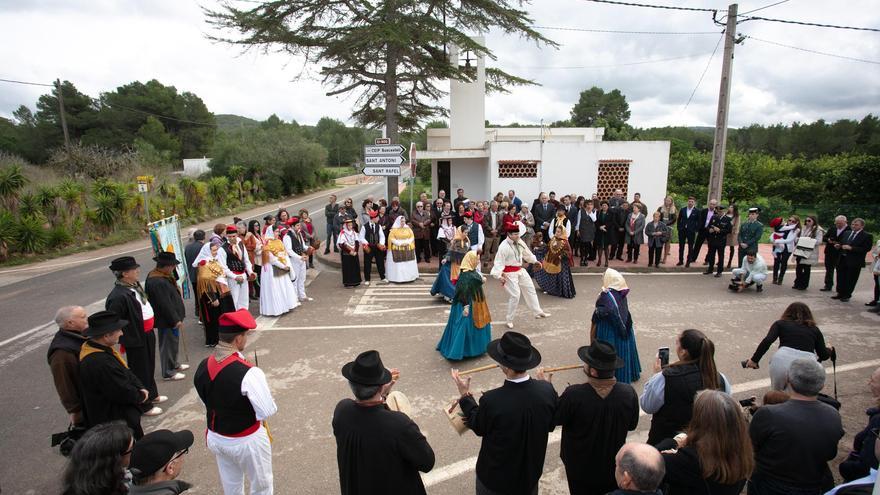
[663,354]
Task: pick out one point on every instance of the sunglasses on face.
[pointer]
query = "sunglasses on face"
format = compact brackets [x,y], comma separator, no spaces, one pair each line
[179,455]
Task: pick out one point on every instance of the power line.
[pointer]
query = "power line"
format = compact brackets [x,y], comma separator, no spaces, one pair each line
[614,31]
[27,83]
[762,8]
[801,23]
[650,6]
[624,64]
[709,63]
[844,57]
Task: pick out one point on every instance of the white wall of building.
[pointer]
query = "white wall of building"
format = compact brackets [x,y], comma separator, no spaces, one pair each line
[467,103]
[194,167]
[470,174]
[648,172]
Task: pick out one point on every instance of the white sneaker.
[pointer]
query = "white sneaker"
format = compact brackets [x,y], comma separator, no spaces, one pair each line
[510,325]
[183,367]
[160,399]
[367,282]
[155,411]
[310,299]
[175,377]
[542,315]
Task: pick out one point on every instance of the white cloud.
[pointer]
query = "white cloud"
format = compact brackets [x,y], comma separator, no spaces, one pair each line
[102,44]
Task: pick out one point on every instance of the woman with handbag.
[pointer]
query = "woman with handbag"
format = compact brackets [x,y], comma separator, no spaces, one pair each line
[805,253]
[468,330]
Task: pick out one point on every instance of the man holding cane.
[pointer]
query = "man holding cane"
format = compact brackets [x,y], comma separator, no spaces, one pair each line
[508,269]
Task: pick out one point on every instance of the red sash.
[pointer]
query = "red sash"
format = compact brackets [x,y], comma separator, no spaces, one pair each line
[512,268]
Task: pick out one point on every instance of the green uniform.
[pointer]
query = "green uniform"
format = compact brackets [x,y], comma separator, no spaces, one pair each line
[749,234]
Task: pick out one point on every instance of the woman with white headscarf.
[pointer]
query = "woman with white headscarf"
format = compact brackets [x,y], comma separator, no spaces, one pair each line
[469,329]
[612,323]
[400,265]
[277,293]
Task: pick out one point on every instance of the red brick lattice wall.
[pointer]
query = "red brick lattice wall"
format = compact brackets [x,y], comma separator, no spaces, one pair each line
[613,174]
[517,169]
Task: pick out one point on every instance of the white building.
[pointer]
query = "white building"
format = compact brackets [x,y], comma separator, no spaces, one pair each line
[529,160]
[194,167]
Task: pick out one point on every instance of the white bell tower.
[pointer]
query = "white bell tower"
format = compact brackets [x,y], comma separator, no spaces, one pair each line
[467,101]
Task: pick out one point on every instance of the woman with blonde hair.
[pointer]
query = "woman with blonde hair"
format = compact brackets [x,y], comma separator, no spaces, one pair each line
[468,330]
[668,214]
[715,455]
[212,292]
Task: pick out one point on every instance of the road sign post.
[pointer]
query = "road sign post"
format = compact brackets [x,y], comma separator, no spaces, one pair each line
[143,182]
[383,159]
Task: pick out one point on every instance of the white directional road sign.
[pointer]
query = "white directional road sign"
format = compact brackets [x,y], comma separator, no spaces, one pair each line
[383,150]
[383,160]
[384,171]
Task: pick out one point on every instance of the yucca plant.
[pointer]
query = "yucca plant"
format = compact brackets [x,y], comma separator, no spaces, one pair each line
[7,233]
[103,186]
[73,195]
[30,236]
[59,236]
[28,205]
[218,189]
[106,212]
[12,181]
[49,199]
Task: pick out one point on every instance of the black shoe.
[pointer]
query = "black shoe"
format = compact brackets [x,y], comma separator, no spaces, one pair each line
[717,275]
[679,263]
[335,249]
[705,263]
[825,289]
[327,251]
[835,296]
[619,258]
[707,272]
[844,299]
[872,303]
[687,265]
[759,288]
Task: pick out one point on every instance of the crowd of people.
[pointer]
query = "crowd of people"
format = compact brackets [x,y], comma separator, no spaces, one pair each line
[700,439]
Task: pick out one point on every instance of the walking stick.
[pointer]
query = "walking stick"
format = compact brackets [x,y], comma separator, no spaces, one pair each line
[563,368]
[477,370]
[265,422]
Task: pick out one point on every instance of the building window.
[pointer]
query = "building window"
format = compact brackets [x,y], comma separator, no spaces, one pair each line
[613,174]
[517,169]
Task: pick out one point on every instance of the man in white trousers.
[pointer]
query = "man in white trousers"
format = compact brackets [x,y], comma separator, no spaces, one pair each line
[508,268]
[238,267]
[297,250]
[237,402]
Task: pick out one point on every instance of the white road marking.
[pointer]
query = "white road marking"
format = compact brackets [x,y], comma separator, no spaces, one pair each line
[362,311]
[450,471]
[354,327]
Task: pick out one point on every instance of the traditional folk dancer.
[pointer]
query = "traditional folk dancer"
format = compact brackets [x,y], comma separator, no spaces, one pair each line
[555,279]
[298,250]
[238,268]
[212,293]
[508,268]
[561,219]
[237,402]
[444,284]
[474,232]
[348,243]
[372,240]
[612,322]
[400,262]
[469,327]
[277,292]
[445,233]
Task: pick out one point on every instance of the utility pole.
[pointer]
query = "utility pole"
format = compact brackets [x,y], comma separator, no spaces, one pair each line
[716,176]
[61,112]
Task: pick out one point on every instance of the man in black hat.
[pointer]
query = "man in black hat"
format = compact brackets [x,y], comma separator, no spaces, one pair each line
[110,390]
[378,450]
[157,460]
[595,418]
[129,300]
[237,403]
[165,297]
[514,420]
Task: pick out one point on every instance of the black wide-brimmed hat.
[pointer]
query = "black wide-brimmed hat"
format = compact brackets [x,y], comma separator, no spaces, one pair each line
[601,356]
[102,323]
[123,263]
[165,258]
[367,369]
[514,350]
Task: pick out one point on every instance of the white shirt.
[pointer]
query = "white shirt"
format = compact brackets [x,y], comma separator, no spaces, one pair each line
[256,389]
[480,237]
[363,233]
[518,380]
[508,255]
[552,229]
[654,395]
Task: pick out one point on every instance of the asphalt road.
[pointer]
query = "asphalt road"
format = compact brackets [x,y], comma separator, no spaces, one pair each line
[303,351]
[29,297]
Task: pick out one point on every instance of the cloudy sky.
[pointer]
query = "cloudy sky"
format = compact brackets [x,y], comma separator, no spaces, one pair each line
[102,44]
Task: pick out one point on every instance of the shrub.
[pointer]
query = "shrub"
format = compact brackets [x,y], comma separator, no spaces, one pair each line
[7,233]
[30,236]
[106,211]
[12,180]
[28,205]
[59,236]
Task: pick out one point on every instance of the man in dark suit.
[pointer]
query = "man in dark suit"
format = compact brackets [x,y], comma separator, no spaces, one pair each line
[378,450]
[514,420]
[543,213]
[492,231]
[853,247]
[618,215]
[688,223]
[706,215]
[832,253]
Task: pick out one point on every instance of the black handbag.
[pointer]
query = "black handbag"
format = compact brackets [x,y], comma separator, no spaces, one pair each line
[67,439]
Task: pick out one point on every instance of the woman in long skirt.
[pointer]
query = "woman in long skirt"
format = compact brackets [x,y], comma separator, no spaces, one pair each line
[348,245]
[468,330]
[277,292]
[555,279]
[444,284]
[400,264]
[213,294]
[612,322]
